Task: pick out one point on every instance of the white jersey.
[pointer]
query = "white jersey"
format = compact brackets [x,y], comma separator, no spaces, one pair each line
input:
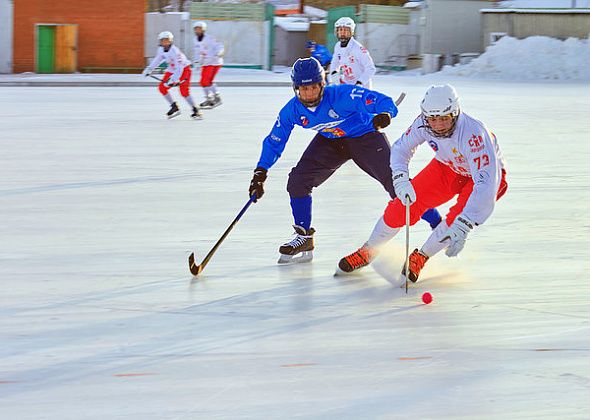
[175,59]
[471,151]
[353,63]
[208,51]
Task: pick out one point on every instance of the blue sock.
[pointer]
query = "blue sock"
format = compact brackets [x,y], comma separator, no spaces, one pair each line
[432,216]
[301,208]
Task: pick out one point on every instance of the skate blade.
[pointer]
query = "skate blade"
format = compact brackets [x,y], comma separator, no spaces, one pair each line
[197,117]
[341,273]
[176,114]
[303,257]
[209,106]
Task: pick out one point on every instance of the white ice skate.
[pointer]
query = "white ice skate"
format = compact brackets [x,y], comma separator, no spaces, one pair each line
[299,249]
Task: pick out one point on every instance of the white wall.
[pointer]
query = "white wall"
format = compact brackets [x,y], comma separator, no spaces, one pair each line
[246,43]
[6,14]
[385,41]
[178,23]
[452,26]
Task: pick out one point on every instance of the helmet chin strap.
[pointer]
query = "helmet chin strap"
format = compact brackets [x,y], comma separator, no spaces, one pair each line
[313,103]
[446,134]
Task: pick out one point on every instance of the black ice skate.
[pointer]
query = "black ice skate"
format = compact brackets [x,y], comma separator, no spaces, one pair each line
[174,111]
[216,100]
[299,249]
[196,115]
[207,103]
[211,102]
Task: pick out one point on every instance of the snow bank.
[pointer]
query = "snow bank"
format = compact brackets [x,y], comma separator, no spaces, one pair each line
[536,57]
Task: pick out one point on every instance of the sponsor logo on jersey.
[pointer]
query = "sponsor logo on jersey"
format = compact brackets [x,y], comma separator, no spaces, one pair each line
[333,114]
[482,177]
[335,131]
[275,138]
[322,127]
[351,59]
[476,143]
[304,121]
[433,144]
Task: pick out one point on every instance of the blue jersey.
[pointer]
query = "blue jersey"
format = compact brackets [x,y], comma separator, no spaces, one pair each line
[322,54]
[344,111]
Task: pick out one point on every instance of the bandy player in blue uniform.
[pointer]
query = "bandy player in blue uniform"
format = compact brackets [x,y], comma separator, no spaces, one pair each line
[348,119]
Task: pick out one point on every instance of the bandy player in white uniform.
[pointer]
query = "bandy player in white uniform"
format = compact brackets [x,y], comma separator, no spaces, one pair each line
[351,63]
[467,163]
[209,54]
[178,74]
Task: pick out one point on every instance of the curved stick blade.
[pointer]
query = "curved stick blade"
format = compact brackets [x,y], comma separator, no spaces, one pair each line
[193,267]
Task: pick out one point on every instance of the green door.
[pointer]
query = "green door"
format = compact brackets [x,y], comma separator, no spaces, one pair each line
[45,49]
[333,15]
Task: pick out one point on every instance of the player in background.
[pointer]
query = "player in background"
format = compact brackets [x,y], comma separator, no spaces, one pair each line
[347,120]
[467,163]
[209,54]
[320,53]
[178,74]
[351,63]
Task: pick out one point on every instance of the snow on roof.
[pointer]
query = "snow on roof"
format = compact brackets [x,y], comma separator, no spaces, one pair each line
[533,58]
[292,23]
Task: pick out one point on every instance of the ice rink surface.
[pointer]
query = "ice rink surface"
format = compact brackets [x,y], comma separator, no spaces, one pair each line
[102,199]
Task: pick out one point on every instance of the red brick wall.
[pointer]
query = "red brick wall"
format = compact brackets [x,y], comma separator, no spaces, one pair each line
[110,32]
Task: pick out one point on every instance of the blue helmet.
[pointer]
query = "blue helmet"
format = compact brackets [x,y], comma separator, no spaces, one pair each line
[307,71]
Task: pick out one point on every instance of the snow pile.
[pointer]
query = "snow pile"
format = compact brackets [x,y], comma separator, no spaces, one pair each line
[545,3]
[536,57]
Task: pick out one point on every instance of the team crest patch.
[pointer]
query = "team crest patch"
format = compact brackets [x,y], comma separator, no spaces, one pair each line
[333,114]
[433,144]
[304,121]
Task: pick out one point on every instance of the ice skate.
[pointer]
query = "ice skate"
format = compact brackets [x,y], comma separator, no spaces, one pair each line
[197,114]
[216,101]
[207,103]
[355,261]
[416,264]
[299,249]
[173,111]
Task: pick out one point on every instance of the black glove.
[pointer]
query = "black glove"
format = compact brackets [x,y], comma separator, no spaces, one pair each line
[257,183]
[381,120]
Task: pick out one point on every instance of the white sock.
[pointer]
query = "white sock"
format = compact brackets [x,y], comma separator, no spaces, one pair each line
[169,98]
[433,244]
[190,101]
[381,233]
[214,89]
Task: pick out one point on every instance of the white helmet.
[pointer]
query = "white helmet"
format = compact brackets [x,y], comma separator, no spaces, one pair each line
[345,22]
[200,24]
[440,100]
[166,35]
